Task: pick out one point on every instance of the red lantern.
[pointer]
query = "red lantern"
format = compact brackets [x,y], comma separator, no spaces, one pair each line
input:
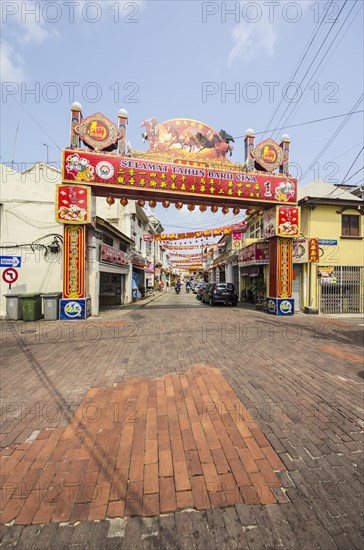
[124,201]
[191,207]
[166,204]
[225,210]
[203,207]
[236,211]
[179,205]
[249,212]
[110,200]
[152,203]
[214,208]
[141,202]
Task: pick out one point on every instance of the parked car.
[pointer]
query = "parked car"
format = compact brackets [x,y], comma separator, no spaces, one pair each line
[216,293]
[200,289]
[204,291]
[195,287]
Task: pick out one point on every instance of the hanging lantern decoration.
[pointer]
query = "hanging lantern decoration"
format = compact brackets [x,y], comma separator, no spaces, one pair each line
[124,201]
[260,212]
[166,204]
[152,203]
[179,205]
[203,207]
[191,207]
[141,202]
[225,210]
[214,208]
[110,200]
[236,210]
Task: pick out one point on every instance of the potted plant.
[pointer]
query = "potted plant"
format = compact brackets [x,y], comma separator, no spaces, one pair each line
[258,288]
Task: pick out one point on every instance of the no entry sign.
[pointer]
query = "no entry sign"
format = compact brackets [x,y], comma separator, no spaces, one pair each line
[10,275]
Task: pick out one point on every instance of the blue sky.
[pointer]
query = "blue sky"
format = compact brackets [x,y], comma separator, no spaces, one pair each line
[169,59]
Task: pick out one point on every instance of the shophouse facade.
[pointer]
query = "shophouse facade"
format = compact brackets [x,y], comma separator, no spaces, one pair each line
[115,243]
[328,258]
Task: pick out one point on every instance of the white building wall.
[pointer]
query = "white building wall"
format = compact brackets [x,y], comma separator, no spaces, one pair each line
[28,214]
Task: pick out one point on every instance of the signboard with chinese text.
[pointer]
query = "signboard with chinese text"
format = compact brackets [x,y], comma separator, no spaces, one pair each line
[288,221]
[97,131]
[73,204]
[255,253]
[269,155]
[160,179]
[74,261]
[283,221]
[284,278]
[313,250]
[113,255]
[305,251]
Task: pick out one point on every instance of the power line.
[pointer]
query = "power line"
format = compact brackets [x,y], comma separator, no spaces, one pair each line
[333,136]
[318,66]
[297,106]
[36,122]
[357,172]
[305,123]
[297,67]
[352,164]
[312,62]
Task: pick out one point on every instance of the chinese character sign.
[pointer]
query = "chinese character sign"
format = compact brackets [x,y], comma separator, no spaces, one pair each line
[159,179]
[73,204]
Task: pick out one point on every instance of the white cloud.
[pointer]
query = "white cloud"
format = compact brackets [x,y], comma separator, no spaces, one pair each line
[28,17]
[251,39]
[11,64]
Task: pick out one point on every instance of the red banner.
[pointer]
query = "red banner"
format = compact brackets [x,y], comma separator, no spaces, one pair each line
[255,253]
[313,250]
[113,255]
[225,230]
[284,268]
[74,261]
[73,204]
[178,181]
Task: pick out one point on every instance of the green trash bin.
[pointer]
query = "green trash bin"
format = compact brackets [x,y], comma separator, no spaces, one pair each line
[32,306]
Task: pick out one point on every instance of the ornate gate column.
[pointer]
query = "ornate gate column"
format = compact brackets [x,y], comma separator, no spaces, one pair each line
[280,301]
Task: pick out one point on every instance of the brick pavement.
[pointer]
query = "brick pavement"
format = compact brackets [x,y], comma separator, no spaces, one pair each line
[299,379]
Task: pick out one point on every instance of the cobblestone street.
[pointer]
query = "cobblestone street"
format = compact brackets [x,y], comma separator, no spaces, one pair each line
[180,425]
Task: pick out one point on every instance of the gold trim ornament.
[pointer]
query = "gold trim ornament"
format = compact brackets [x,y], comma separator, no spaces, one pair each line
[98,132]
[269,155]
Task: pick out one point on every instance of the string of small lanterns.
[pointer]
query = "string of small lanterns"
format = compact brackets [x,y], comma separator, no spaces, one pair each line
[166,204]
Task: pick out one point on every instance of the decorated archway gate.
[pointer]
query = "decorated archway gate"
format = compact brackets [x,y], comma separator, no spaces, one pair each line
[187,163]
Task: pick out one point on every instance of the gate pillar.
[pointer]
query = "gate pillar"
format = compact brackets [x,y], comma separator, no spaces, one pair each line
[75,303]
[280,301]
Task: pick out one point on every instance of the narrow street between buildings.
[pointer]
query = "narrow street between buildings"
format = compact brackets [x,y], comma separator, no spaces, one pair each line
[181,425]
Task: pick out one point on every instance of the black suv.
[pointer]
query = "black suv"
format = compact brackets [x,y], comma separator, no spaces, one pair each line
[223,293]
